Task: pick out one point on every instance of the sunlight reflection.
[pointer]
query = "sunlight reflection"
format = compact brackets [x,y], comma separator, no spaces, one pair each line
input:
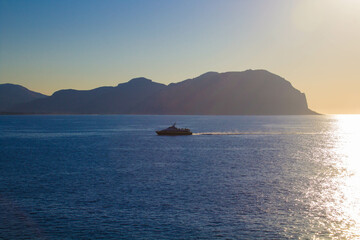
[334,192]
[348,192]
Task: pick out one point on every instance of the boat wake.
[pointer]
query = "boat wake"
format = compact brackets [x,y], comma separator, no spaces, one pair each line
[251,133]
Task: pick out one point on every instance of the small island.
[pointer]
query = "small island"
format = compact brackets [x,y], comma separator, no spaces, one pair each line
[251,92]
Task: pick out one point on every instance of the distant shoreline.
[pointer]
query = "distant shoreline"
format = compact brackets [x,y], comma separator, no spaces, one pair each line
[250,92]
[50,114]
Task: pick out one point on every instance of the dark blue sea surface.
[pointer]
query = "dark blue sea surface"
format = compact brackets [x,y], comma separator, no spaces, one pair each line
[237,177]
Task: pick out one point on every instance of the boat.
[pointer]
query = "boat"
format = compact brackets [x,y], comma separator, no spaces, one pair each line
[174,131]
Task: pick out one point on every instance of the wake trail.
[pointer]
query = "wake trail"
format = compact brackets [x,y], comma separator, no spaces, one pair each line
[251,133]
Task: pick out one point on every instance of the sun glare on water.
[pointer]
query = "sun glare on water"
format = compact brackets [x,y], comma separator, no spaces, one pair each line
[334,191]
[349,147]
[349,144]
[345,207]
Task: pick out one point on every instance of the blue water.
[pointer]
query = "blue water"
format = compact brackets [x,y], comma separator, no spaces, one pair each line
[238,177]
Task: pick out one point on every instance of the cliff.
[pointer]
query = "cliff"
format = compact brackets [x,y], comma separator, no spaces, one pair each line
[251,92]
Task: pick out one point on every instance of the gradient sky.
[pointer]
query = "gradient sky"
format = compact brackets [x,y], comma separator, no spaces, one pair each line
[315,44]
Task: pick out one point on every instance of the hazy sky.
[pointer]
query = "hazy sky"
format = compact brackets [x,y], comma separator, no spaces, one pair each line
[315,44]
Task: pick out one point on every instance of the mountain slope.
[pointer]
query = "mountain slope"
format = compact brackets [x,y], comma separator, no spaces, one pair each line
[12,94]
[252,92]
[103,100]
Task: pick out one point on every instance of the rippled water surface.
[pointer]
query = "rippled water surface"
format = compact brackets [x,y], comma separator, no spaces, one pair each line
[237,177]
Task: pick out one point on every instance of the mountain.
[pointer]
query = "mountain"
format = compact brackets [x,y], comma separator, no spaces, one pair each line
[104,100]
[251,92]
[12,94]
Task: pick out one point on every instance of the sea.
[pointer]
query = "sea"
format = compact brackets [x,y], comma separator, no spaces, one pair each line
[236,177]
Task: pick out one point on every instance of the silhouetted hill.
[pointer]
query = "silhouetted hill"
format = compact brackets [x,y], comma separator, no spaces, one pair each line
[104,100]
[12,94]
[252,92]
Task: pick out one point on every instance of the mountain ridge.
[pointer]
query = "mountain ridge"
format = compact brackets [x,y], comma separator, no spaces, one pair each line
[250,92]
[14,94]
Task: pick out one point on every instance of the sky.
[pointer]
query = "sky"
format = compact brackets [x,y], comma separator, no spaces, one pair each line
[315,44]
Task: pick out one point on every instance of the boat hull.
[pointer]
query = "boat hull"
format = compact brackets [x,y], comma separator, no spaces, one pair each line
[168,133]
